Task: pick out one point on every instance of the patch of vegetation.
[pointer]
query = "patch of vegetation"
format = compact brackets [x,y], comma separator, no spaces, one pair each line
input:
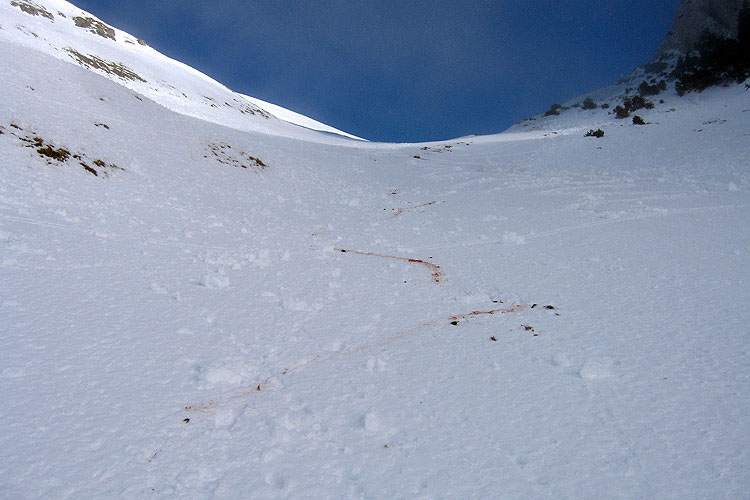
[257,162]
[630,104]
[26,31]
[637,120]
[554,110]
[105,168]
[54,154]
[33,142]
[33,9]
[646,90]
[589,103]
[94,62]
[89,169]
[246,109]
[718,60]
[605,105]
[95,26]
[621,112]
[50,152]
[222,154]
[637,102]
[102,164]
[598,133]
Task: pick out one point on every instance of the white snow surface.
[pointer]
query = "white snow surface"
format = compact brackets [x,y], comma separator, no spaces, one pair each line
[531,315]
[296,118]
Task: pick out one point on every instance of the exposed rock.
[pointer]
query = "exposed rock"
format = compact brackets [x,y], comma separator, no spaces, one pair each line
[95,26]
[694,17]
[33,9]
[94,62]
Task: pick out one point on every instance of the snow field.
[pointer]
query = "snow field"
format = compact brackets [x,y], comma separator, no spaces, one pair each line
[189,328]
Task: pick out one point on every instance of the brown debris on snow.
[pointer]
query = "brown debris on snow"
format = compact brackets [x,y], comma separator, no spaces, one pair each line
[399,211]
[437,274]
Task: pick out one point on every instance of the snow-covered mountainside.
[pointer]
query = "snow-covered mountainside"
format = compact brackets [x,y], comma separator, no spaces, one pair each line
[198,302]
[59,29]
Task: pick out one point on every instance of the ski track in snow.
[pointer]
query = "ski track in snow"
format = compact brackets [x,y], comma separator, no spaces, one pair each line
[261,386]
[399,211]
[552,232]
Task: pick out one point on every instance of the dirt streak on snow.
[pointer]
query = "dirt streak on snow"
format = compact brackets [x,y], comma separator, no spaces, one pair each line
[262,387]
[399,211]
[437,275]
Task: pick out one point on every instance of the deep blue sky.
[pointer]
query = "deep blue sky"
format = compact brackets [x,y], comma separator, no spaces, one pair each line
[408,70]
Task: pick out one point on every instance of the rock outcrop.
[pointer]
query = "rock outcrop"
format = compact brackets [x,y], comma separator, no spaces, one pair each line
[694,17]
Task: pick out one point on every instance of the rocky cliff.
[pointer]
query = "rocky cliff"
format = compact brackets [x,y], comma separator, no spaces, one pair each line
[694,17]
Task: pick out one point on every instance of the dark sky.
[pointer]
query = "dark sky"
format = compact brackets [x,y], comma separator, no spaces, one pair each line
[408,70]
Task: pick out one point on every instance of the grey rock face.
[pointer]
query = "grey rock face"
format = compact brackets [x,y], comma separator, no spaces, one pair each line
[693,17]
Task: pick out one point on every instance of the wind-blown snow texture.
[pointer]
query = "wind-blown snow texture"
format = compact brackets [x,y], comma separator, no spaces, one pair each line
[257,310]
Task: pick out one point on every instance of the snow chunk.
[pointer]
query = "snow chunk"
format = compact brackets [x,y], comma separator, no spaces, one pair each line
[225,418]
[335,346]
[375,365]
[370,422]
[292,304]
[214,281]
[511,238]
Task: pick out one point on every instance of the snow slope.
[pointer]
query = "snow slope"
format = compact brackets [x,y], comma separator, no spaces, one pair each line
[263,311]
[60,29]
[296,118]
